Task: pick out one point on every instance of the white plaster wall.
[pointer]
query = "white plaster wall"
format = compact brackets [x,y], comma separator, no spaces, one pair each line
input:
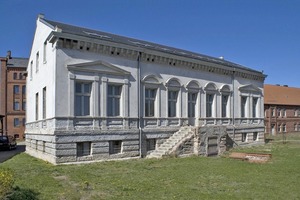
[45,77]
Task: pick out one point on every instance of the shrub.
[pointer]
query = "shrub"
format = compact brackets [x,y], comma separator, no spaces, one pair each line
[6,182]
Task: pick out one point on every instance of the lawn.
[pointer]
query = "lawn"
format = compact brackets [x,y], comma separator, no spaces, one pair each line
[170,178]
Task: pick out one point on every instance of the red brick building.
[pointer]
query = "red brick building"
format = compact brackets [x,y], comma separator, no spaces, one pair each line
[13,95]
[282,109]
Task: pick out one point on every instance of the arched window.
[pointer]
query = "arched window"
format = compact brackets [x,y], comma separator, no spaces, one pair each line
[173,86]
[211,91]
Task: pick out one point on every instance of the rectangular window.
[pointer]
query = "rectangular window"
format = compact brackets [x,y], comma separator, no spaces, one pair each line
[243,106]
[82,98]
[45,52]
[24,105]
[83,148]
[31,68]
[254,107]
[283,128]
[44,103]
[24,121]
[150,102]
[255,136]
[37,62]
[278,128]
[273,112]
[283,112]
[16,122]
[224,105]
[16,105]
[16,89]
[172,103]
[151,143]
[209,105]
[113,100]
[24,89]
[36,106]
[244,137]
[192,99]
[21,76]
[115,147]
[15,76]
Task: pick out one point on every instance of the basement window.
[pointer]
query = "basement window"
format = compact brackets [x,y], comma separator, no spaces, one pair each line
[244,137]
[83,149]
[151,143]
[255,136]
[115,147]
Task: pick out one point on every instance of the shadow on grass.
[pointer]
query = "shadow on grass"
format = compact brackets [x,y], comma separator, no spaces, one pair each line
[23,194]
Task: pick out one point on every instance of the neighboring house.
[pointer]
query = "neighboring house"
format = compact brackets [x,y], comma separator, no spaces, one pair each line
[13,95]
[94,95]
[282,109]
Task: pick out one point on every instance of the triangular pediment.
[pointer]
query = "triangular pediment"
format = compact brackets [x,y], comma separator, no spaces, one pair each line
[99,67]
[250,88]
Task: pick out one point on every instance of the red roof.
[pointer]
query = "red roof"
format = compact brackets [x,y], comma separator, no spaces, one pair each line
[281,95]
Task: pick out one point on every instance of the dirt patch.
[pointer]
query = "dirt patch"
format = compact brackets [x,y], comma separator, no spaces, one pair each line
[251,157]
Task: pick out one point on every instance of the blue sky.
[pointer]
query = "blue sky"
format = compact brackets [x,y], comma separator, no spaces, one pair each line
[260,34]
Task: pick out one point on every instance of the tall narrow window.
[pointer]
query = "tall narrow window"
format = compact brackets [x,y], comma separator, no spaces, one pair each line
[224,105]
[149,102]
[192,99]
[16,89]
[45,52]
[36,106]
[209,105]
[82,98]
[44,102]
[15,76]
[24,89]
[113,100]
[243,106]
[24,105]
[172,103]
[283,128]
[37,62]
[254,107]
[283,112]
[21,76]
[31,68]
[16,105]
[16,122]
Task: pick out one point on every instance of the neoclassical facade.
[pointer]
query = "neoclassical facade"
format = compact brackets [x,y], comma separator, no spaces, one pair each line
[97,96]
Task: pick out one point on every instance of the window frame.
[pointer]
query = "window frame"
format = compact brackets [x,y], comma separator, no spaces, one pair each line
[192,103]
[115,147]
[172,103]
[114,100]
[244,101]
[83,149]
[224,107]
[80,109]
[150,102]
[16,89]
[210,104]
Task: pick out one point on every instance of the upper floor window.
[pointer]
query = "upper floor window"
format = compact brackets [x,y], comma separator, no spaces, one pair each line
[82,98]
[15,76]
[16,89]
[113,100]
[31,68]
[16,122]
[36,106]
[21,76]
[24,105]
[150,102]
[44,102]
[192,99]
[172,103]
[209,104]
[283,112]
[24,89]
[283,128]
[224,105]
[243,106]
[273,112]
[254,106]
[16,105]
[37,62]
[45,52]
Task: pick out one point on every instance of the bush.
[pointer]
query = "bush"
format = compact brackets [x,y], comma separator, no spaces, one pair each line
[6,182]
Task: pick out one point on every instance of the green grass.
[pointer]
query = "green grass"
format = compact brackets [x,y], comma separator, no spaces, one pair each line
[170,178]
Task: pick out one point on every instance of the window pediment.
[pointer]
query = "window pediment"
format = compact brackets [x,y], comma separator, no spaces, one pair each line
[193,85]
[225,89]
[173,82]
[99,67]
[250,88]
[151,79]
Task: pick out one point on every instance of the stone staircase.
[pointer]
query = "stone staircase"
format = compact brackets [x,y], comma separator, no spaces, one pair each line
[172,143]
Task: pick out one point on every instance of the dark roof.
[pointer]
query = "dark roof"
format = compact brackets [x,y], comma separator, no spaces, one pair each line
[80,31]
[281,95]
[17,62]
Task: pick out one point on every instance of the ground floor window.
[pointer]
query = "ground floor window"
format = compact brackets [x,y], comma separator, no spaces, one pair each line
[115,147]
[151,143]
[83,148]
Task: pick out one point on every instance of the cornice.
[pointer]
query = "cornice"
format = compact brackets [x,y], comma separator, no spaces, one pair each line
[111,48]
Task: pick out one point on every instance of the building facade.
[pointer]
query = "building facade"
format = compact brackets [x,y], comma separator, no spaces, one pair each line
[282,109]
[13,95]
[96,96]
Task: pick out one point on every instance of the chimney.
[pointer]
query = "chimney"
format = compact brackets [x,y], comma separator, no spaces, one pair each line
[41,16]
[8,55]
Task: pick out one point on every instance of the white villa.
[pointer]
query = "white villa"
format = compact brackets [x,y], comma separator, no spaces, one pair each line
[93,96]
